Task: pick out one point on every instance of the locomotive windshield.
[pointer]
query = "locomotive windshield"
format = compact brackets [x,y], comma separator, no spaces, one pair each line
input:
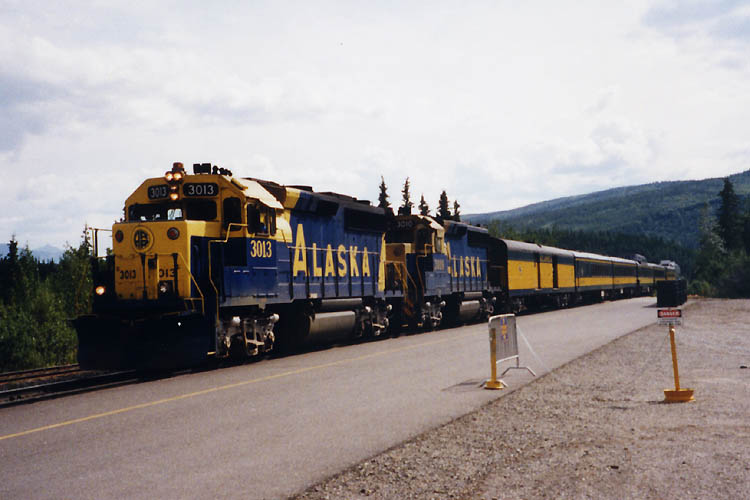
[402,236]
[186,210]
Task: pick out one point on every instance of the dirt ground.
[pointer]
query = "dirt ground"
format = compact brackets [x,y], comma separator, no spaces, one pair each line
[594,428]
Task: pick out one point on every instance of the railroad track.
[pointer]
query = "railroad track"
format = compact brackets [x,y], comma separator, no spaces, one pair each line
[75,381]
[24,375]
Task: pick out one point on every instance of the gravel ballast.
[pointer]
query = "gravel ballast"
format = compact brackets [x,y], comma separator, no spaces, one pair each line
[594,428]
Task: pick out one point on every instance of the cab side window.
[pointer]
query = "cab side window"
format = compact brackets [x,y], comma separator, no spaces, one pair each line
[271,221]
[253,220]
[232,212]
[438,244]
[423,239]
[261,221]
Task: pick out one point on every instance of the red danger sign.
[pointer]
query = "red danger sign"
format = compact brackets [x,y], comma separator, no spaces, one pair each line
[669,313]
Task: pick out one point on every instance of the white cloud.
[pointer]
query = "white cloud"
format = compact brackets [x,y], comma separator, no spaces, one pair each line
[499,104]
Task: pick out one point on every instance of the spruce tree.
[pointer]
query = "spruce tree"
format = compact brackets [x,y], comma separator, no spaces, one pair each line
[711,256]
[730,221]
[456,214]
[383,197]
[10,272]
[406,204]
[424,208]
[444,211]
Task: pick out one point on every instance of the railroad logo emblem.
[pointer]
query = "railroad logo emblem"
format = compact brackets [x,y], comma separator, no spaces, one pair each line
[142,239]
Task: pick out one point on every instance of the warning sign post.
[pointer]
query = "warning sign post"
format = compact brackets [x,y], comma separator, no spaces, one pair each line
[503,347]
[673,317]
[669,316]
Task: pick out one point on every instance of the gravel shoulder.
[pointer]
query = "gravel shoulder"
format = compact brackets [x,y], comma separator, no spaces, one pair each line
[594,428]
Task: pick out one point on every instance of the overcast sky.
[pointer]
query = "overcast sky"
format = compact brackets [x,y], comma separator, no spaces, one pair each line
[500,103]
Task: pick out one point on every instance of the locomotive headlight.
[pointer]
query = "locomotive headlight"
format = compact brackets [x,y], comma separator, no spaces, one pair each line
[169,176]
[173,196]
[173,233]
[119,236]
[100,290]
[177,176]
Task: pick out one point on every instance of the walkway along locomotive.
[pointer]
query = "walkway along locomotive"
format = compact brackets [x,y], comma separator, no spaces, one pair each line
[209,265]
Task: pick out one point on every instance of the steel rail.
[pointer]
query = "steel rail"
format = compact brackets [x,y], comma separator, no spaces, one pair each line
[49,371]
[39,392]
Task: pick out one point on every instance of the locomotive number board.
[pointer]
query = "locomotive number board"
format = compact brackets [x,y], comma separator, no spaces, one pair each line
[200,189]
[157,192]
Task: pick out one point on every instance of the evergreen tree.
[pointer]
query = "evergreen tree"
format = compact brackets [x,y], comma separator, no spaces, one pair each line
[35,307]
[730,221]
[424,208]
[10,272]
[444,211]
[383,197]
[709,261]
[406,204]
[456,214]
[73,279]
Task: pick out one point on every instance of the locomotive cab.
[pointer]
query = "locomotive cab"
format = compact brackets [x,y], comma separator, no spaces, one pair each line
[187,248]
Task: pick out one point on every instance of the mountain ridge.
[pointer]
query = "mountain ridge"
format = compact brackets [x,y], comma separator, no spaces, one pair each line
[670,209]
[43,253]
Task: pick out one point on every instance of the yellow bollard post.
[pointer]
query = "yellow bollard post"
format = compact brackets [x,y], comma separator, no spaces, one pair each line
[677,395]
[493,382]
[674,359]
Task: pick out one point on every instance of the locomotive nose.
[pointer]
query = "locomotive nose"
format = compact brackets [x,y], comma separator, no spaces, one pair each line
[152,260]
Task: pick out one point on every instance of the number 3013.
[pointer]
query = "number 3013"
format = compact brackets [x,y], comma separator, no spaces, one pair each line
[261,248]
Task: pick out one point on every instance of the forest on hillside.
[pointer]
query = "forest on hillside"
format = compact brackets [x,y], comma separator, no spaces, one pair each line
[671,210]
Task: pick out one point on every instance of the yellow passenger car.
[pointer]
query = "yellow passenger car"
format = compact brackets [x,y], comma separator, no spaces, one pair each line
[534,273]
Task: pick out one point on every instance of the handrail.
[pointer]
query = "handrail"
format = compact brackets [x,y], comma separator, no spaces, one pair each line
[95,235]
[197,287]
[423,257]
[210,266]
[402,270]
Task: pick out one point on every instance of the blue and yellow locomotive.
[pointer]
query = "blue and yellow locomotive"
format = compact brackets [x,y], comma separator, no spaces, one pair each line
[444,265]
[207,265]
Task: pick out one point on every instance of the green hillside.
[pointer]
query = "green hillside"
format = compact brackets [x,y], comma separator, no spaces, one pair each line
[667,209]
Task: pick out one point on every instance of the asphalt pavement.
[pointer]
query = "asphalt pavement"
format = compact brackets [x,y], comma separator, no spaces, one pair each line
[271,428]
